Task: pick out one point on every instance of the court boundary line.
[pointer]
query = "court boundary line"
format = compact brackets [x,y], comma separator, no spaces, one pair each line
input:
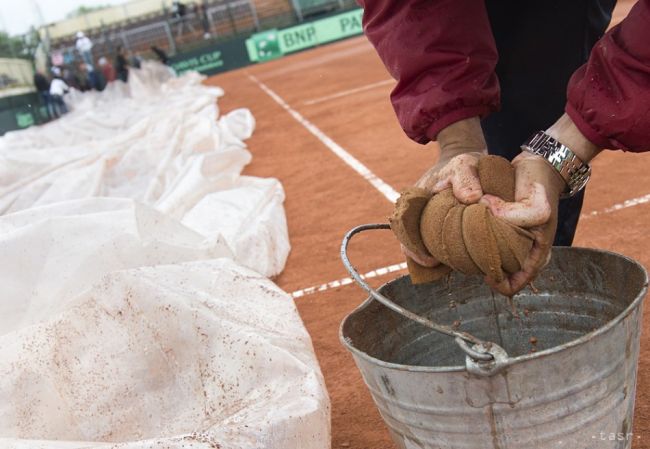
[389,193]
[618,206]
[348,280]
[347,92]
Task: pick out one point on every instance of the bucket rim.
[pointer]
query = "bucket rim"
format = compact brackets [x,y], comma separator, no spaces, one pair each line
[638,300]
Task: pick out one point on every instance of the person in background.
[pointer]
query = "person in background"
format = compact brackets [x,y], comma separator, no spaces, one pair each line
[178,10]
[100,81]
[91,76]
[71,78]
[84,46]
[42,85]
[84,82]
[107,69]
[121,65]
[135,60]
[205,22]
[58,88]
[179,14]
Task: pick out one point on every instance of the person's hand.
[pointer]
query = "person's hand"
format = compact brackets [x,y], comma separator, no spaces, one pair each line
[537,192]
[461,145]
[458,170]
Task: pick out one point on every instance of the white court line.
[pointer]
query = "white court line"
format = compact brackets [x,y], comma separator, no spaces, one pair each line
[349,280]
[624,205]
[344,93]
[353,162]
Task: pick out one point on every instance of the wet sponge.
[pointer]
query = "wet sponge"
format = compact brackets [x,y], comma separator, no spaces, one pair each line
[466,238]
[405,223]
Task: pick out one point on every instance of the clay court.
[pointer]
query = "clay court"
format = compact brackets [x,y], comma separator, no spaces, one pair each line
[324,115]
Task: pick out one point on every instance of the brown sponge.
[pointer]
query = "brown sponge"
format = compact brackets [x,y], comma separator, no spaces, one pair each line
[467,238]
[480,242]
[514,244]
[497,177]
[452,230]
[422,275]
[405,224]
[405,221]
[433,218]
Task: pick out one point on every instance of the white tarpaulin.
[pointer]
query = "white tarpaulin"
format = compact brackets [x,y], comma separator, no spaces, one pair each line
[135,309]
[157,140]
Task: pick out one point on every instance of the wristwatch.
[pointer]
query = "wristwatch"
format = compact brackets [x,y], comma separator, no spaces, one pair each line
[574,172]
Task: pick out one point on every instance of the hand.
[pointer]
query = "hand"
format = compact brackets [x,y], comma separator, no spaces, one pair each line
[457,170]
[461,145]
[537,191]
[537,194]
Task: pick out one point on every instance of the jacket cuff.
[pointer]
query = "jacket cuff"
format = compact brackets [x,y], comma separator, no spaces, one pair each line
[586,129]
[454,116]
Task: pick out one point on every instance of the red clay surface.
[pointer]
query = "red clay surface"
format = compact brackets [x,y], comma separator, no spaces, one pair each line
[325,198]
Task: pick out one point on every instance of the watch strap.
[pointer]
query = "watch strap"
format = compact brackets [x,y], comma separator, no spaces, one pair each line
[570,167]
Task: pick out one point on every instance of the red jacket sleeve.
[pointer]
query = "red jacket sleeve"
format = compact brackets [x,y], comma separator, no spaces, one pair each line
[609,97]
[442,54]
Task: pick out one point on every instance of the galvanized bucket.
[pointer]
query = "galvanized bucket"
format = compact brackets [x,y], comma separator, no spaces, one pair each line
[451,365]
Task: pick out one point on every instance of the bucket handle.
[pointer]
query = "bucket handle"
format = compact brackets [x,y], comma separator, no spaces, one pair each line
[483,358]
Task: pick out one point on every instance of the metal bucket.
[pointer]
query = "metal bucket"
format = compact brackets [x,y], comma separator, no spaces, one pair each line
[466,370]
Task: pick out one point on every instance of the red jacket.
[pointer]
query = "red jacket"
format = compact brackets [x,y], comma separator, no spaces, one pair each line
[108,71]
[445,70]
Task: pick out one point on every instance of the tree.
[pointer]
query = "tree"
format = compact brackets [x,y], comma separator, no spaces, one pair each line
[13,46]
[80,11]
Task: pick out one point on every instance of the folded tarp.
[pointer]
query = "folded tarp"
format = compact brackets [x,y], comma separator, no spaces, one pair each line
[135,309]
